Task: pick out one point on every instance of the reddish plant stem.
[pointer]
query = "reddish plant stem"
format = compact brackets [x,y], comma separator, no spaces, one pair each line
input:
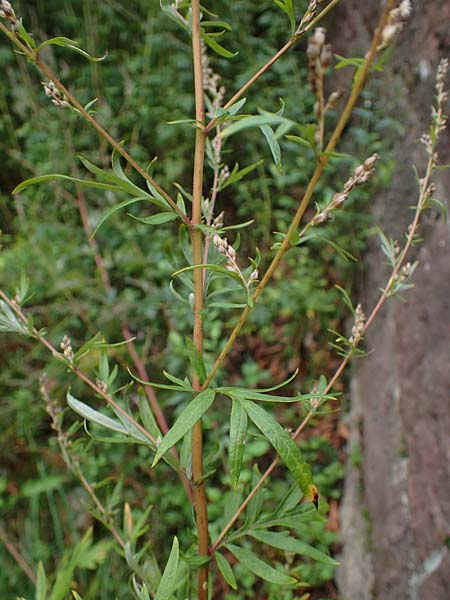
[17,556]
[201,513]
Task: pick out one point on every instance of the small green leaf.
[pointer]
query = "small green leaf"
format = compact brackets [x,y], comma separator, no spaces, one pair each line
[185,422]
[147,418]
[72,45]
[26,37]
[273,145]
[168,580]
[94,416]
[41,583]
[196,360]
[208,38]
[288,7]
[290,544]
[110,212]
[162,386]
[225,568]
[254,121]
[237,175]
[259,567]
[238,431]
[159,219]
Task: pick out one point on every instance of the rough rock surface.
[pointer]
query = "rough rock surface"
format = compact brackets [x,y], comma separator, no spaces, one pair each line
[396,508]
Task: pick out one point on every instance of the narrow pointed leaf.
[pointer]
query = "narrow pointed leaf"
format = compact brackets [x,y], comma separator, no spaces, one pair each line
[290,544]
[259,567]
[186,420]
[273,145]
[94,416]
[196,360]
[168,580]
[57,176]
[72,45]
[159,219]
[41,583]
[109,213]
[285,446]
[238,431]
[225,568]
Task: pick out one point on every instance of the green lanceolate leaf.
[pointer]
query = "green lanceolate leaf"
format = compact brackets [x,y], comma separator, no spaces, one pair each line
[55,176]
[168,580]
[196,360]
[225,568]
[72,45]
[259,567]
[255,121]
[158,219]
[285,447]
[94,416]
[238,431]
[185,422]
[273,145]
[41,583]
[290,544]
[288,7]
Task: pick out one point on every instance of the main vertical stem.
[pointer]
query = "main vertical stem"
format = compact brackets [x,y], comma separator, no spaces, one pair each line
[196,237]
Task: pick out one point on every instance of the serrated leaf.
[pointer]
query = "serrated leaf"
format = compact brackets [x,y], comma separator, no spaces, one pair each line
[291,544]
[238,431]
[94,416]
[284,445]
[225,568]
[188,417]
[168,579]
[258,567]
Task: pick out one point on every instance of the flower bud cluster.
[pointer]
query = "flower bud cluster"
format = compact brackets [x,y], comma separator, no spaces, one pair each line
[225,249]
[319,57]
[66,347]
[218,221]
[440,120]
[396,21]
[358,327]
[223,174]
[55,95]
[7,12]
[55,411]
[102,385]
[310,13]
[362,174]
